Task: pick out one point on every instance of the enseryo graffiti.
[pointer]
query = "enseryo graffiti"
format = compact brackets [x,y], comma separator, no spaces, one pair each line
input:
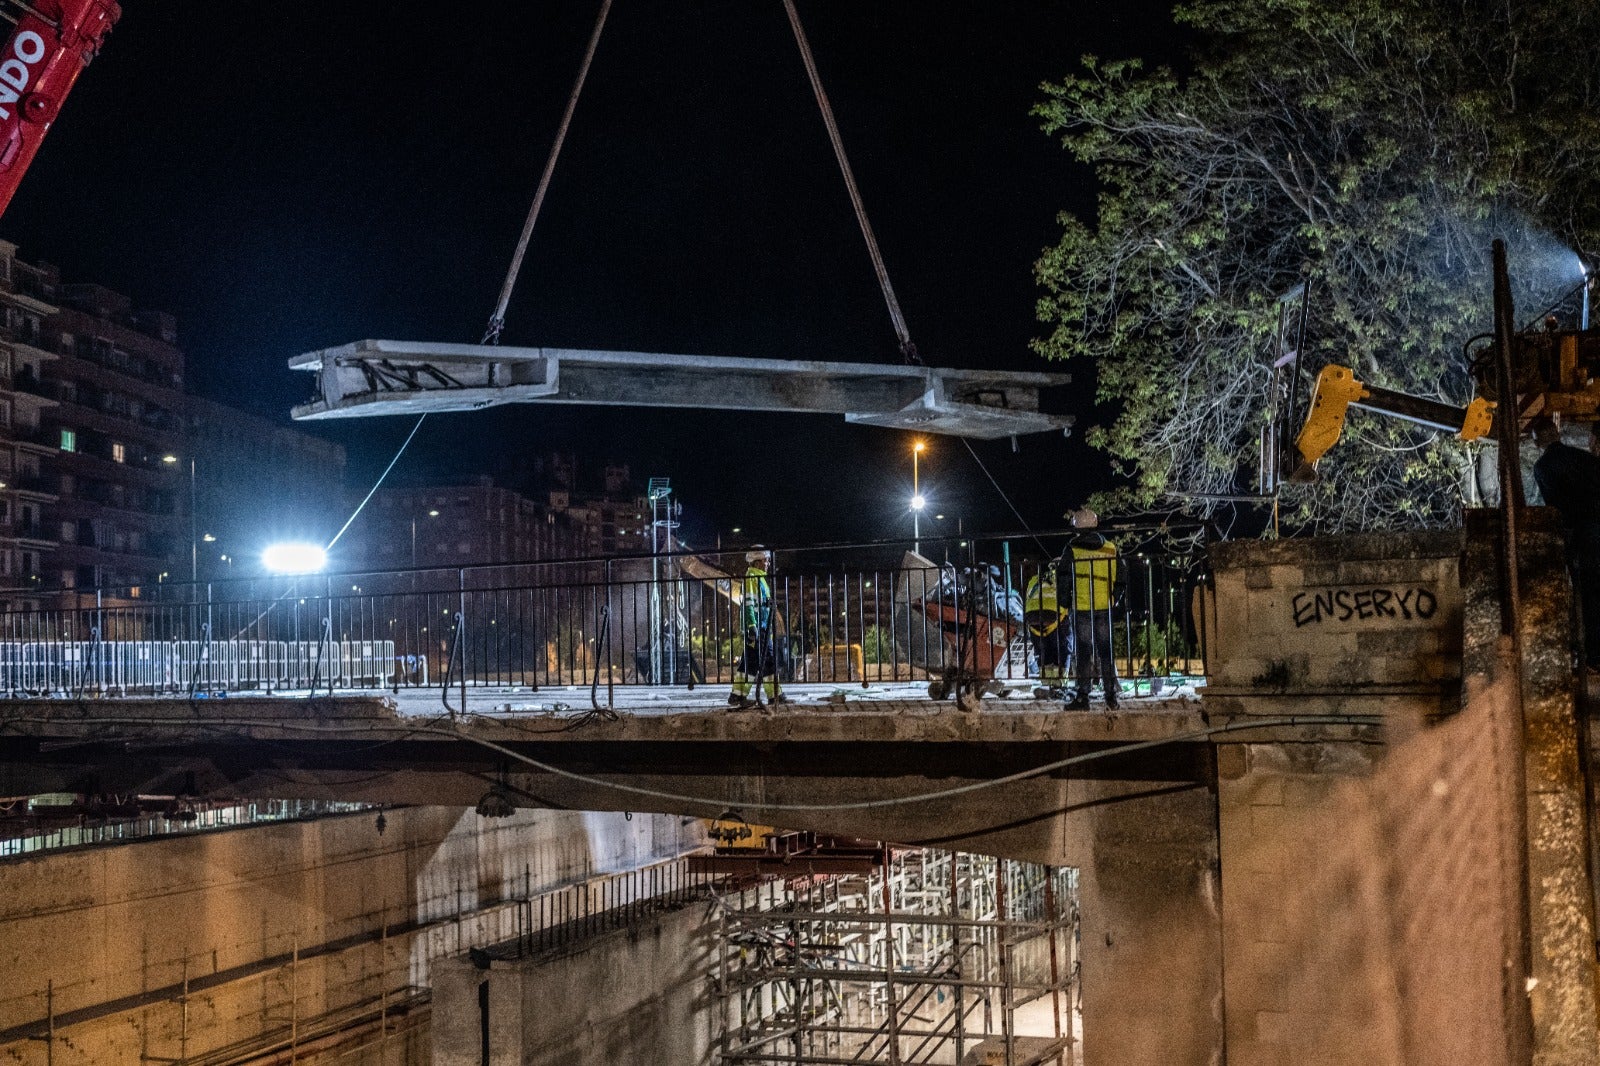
[1347,604]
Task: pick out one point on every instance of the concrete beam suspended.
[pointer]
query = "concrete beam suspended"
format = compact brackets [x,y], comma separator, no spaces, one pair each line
[378,377]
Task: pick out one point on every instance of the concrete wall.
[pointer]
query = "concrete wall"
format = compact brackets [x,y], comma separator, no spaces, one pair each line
[1371,881]
[1182,939]
[1290,994]
[109,935]
[640,995]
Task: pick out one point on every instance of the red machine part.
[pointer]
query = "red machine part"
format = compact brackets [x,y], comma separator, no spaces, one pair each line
[50,43]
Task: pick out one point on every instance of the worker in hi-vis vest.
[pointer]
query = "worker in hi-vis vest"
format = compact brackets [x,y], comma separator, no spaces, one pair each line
[760,658]
[1049,629]
[1094,582]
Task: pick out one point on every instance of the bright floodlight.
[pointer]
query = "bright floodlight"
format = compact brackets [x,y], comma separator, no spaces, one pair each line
[294,558]
[918,503]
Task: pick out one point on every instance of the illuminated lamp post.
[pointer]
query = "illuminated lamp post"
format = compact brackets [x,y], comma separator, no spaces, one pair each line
[917,501]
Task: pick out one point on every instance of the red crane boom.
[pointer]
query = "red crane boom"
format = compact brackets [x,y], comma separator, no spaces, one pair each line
[50,43]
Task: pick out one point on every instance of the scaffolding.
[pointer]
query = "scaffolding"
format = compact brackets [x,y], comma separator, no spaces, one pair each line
[933,957]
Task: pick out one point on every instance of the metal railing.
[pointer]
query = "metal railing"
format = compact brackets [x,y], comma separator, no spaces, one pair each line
[575,912]
[33,832]
[843,615]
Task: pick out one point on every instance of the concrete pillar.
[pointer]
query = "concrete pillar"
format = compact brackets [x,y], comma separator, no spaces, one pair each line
[640,995]
[1560,894]
[1308,960]
[1152,951]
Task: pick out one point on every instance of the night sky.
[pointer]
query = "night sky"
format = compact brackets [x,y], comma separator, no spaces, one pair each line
[294,175]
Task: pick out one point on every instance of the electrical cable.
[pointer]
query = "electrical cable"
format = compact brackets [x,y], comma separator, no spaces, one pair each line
[724,803]
[1027,528]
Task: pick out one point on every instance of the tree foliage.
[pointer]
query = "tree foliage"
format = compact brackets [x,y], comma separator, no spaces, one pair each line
[1374,146]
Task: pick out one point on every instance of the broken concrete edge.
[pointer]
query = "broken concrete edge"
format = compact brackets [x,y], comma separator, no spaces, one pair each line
[480,354]
[373,718]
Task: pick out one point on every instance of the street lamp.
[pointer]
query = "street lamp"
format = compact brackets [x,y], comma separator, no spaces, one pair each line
[433,512]
[917,501]
[194,541]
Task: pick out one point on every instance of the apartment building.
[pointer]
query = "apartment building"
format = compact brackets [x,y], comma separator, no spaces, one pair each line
[112,480]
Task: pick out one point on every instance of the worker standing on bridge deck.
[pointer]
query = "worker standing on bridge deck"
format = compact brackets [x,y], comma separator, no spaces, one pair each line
[760,658]
[1569,480]
[1049,629]
[1094,579]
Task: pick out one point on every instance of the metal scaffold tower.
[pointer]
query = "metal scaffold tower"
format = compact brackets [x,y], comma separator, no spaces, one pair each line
[933,957]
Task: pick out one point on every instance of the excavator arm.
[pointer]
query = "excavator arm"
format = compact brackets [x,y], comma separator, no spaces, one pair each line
[50,43]
[1337,390]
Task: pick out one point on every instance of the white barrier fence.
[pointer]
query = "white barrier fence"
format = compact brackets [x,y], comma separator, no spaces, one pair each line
[126,666]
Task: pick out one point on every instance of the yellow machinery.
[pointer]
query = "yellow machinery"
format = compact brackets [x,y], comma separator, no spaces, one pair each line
[1337,390]
[1553,372]
[731,833]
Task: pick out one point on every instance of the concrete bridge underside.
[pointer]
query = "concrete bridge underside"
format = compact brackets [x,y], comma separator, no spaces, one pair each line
[899,761]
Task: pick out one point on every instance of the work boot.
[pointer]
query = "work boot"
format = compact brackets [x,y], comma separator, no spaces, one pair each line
[1111,697]
[737,700]
[1079,702]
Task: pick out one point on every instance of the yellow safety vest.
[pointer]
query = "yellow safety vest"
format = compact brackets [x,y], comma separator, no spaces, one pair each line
[1041,607]
[757,599]
[1094,572]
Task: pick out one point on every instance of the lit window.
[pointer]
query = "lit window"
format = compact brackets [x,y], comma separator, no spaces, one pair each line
[119,452]
[69,440]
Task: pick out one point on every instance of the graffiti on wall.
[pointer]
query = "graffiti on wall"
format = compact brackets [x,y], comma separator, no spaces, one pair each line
[1408,603]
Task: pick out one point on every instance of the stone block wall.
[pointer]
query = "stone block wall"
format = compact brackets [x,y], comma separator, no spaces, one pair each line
[1320,625]
[1271,799]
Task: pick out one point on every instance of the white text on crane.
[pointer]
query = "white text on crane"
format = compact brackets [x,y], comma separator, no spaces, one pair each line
[27,48]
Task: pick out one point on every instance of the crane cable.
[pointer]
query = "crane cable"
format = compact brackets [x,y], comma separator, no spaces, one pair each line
[902,331]
[907,347]
[497,320]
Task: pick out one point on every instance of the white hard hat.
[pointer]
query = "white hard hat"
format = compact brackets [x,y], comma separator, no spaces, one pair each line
[1083,518]
[758,554]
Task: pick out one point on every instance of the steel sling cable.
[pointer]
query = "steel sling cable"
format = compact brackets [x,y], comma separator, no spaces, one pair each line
[497,320]
[902,331]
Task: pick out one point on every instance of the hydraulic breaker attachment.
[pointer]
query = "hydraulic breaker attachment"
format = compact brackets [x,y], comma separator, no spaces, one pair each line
[1337,390]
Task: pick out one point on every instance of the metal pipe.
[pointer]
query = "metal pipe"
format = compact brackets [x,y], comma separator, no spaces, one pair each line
[1508,428]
